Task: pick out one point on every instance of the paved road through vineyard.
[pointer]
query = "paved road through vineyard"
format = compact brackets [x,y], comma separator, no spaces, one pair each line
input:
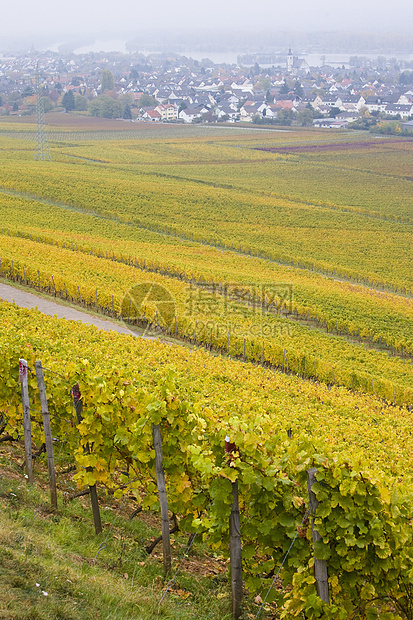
[23,299]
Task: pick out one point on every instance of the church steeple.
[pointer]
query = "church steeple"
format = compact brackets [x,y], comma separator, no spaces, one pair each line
[290,61]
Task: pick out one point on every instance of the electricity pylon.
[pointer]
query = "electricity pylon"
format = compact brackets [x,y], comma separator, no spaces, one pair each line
[41,149]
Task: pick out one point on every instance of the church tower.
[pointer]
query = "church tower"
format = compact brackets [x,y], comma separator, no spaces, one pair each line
[290,61]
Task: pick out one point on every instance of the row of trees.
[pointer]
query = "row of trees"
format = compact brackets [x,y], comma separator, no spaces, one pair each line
[107,105]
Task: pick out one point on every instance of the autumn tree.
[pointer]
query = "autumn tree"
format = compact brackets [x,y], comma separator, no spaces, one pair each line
[68,101]
[106,80]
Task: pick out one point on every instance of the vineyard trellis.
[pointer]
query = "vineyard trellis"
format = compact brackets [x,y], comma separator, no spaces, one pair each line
[201,477]
[275,357]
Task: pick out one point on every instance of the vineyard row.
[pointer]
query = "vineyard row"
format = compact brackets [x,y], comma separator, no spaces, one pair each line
[365,536]
[282,260]
[241,295]
[214,339]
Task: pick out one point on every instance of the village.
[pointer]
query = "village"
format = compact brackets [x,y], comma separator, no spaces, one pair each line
[176,89]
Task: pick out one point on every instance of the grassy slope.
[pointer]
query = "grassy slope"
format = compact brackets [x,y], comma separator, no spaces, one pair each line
[54,552]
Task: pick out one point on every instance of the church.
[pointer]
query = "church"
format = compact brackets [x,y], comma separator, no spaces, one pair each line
[295,64]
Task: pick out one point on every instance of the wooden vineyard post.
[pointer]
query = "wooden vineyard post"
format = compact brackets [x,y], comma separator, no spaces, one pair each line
[235,548]
[47,433]
[77,400]
[320,566]
[282,367]
[163,499]
[26,418]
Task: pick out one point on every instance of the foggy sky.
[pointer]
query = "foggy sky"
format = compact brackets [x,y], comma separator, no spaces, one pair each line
[90,17]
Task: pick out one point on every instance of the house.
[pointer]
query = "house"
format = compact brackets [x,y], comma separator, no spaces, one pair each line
[374,104]
[272,111]
[351,103]
[284,104]
[188,115]
[314,100]
[167,111]
[152,115]
[407,127]
[395,109]
[405,98]
[332,101]
[228,98]
[230,111]
[330,123]
[247,112]
[251,109]
[350,117]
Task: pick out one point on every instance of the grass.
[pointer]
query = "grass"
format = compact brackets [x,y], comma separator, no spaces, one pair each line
[53,566]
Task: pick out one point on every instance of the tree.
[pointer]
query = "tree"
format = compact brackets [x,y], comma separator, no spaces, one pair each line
[127,98]
[263,84]
[146,101]
[334,111]
[127,113]
[298,89]
[406,77]
[305,117]
[284,88]
[105,106]
[28,92]
[367,92]
[47,104]
[183,106]
[80,103]
[106,80]
[54,95]
[285,117]
[68,101]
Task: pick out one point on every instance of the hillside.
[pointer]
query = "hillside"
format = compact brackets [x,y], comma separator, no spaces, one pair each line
[281,280]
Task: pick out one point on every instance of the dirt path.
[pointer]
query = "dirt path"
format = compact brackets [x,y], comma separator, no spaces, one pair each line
[24,299]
